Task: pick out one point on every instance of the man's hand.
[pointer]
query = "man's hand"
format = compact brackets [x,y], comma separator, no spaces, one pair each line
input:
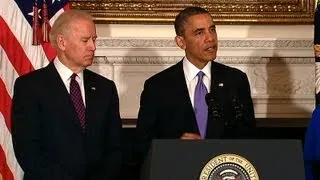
[190,136]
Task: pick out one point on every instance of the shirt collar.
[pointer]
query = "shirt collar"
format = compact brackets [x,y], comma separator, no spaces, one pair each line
[64,72]
[191,70]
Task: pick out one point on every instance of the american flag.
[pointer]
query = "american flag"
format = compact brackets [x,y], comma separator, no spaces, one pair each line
[19,56]
[317,50]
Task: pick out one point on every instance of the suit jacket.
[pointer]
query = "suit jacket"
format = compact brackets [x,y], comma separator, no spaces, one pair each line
[311,151]
[166,111]
[47,138]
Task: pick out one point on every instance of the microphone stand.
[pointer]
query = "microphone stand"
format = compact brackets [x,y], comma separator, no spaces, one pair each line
[214,108]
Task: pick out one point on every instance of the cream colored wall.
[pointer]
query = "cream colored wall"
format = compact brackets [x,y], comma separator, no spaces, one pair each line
[224,31]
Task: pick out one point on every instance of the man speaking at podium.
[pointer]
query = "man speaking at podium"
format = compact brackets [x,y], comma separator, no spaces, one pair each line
[196,98]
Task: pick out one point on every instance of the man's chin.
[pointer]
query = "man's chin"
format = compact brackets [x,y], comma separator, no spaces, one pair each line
[88,63]
[211,58]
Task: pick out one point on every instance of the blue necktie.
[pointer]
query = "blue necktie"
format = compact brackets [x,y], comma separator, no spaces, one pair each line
[200,105]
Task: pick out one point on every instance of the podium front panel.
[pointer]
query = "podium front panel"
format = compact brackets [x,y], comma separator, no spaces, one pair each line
[185,159]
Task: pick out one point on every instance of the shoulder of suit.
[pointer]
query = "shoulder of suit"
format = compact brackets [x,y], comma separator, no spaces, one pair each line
[226,68]
[166,74]
[316,111]
[33,75]
[96,76]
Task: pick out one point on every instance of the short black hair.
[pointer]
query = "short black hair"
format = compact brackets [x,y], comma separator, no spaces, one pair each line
[183,16]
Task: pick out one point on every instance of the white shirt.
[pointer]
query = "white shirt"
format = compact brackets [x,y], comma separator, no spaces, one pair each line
[65,74]
[190,73]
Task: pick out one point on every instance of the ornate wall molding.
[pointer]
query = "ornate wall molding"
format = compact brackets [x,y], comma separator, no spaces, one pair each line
[137,60]
[223,43]
[174,59]
[223,12]
[125,47]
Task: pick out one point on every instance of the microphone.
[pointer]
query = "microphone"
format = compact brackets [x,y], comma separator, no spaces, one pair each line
[241,113]
[214,108]
[238,112]
[232,113]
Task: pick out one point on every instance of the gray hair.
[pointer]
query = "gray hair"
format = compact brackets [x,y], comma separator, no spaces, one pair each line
[63,23]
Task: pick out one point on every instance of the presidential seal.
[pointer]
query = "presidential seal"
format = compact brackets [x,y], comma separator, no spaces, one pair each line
[229,167]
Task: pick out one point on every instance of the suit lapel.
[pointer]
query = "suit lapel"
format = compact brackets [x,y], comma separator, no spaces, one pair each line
[90,87]
[182,94]
[60,97]
[216,77]
[214,127]
[180,84]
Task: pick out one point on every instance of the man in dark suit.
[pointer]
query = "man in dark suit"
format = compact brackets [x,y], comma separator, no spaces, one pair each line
[66,122]
[169,105]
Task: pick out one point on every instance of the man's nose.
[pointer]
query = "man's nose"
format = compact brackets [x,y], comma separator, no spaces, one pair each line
[210,37]
[92,45]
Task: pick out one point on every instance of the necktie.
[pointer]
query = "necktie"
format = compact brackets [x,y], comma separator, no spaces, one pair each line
[76,98]
[200,106]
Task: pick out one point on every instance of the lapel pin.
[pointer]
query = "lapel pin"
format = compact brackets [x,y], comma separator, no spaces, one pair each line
[220,84]
[93,88]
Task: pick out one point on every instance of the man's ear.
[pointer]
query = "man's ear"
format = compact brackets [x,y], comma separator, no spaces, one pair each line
[61,42]
[180,42]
